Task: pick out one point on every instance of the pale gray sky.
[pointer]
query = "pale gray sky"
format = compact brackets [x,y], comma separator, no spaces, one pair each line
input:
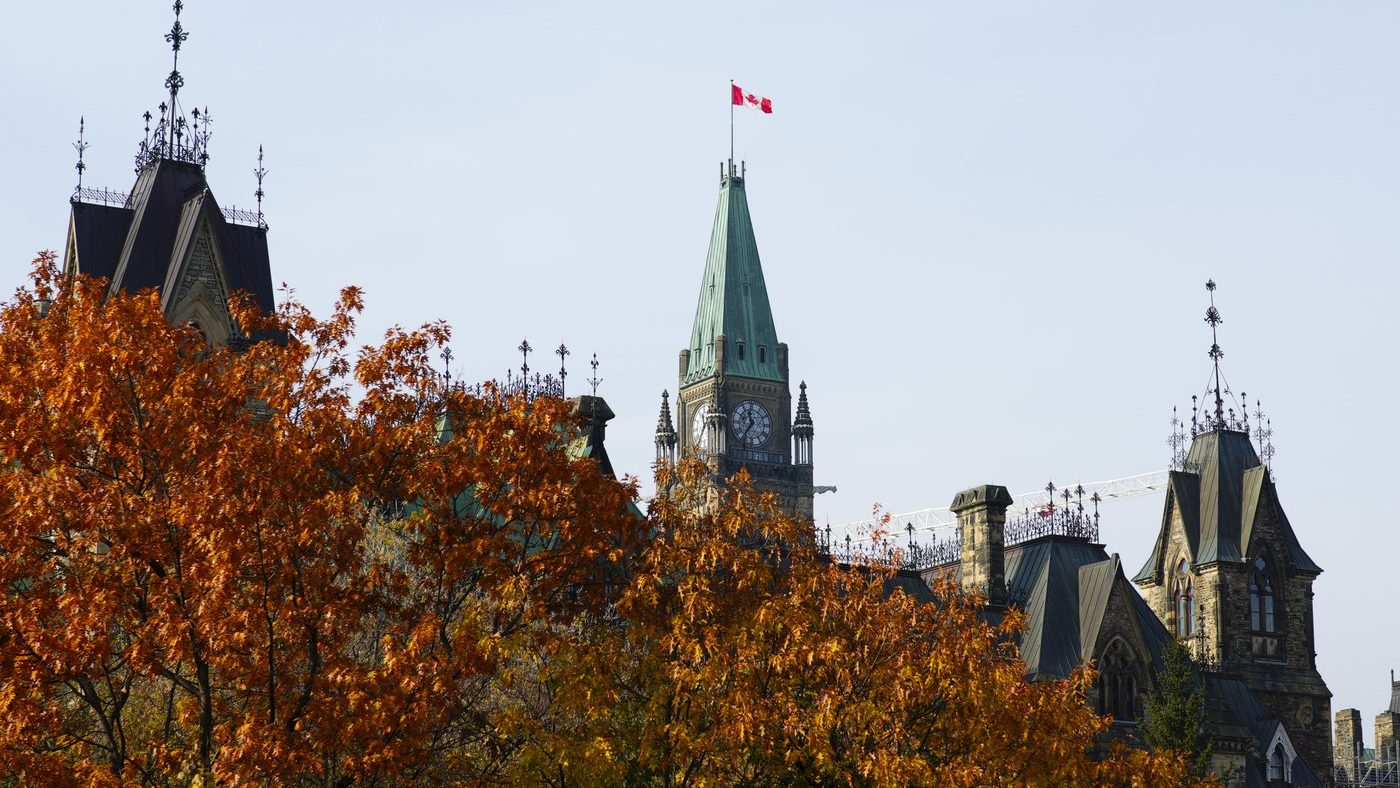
[985,226]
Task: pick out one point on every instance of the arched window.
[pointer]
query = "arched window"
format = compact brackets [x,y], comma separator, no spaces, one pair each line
[1280,766]
[1184,599]
[1261,596]
[1117,682]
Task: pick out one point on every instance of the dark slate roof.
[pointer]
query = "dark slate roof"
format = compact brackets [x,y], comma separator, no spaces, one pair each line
[1219,498]
[1064,585]
[139,246]
[97,235]
[1234,710]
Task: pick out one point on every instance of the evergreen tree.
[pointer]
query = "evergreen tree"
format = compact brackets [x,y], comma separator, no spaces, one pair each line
[1176,718]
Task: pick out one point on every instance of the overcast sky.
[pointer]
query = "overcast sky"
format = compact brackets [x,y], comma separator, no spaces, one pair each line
[985,226]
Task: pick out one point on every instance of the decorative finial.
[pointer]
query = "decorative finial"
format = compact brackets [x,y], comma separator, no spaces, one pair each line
[258,173]
[1214,320]
[1050,493]
[524,349]
[80,146]
[174,82]
[562,352]
[201,137]
[1177,442]
[1266,440]
[1095,498]
[446,356]
[595,380]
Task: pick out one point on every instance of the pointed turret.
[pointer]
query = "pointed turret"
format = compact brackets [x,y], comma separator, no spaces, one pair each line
[665,433]
[802,429]
[733,309]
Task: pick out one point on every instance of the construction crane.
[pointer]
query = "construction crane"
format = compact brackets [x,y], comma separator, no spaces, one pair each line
[942,517]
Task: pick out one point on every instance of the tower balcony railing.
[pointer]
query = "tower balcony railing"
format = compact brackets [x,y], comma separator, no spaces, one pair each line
[889,550]
[908,553]
[1052,521]
[112,198]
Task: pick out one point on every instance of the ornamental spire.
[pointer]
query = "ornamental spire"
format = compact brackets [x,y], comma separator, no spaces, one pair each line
[665,432]
[81,147]
[174,82]
[259,173]
[1214,320]
[172,129]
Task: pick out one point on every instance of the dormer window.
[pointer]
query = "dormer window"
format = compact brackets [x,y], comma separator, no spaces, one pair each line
[741,351]
[762,354]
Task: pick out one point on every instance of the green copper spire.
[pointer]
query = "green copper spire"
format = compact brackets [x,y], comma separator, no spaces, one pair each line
[733,298]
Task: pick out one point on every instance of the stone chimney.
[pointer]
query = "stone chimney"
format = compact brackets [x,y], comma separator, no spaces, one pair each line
[1387,743]
[981,515]
[1346,754]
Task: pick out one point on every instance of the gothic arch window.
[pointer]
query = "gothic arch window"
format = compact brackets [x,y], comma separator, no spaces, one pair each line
[1280,765]
[1184,599]
[1117,682]
[1261,595]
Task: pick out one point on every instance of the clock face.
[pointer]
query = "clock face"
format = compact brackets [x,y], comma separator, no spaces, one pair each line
[699,436]
[751,424]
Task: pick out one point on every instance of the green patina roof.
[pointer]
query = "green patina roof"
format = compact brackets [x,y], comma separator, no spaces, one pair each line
[733,298]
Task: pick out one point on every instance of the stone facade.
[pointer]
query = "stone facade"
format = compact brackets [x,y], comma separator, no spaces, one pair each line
[201,298]
[1121,654]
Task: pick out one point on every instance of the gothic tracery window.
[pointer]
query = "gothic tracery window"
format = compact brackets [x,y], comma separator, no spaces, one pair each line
[1261,596]
[1117,682]
[1184,599]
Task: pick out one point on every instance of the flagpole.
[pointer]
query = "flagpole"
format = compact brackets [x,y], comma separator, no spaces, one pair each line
[731,124]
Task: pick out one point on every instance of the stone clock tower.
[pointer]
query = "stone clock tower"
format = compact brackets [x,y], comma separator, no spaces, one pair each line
[734,403]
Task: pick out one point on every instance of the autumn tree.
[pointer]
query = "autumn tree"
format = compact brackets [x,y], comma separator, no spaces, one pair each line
[222,564]
[294,561]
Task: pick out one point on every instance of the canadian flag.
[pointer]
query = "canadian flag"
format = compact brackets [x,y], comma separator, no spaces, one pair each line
[740,98]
